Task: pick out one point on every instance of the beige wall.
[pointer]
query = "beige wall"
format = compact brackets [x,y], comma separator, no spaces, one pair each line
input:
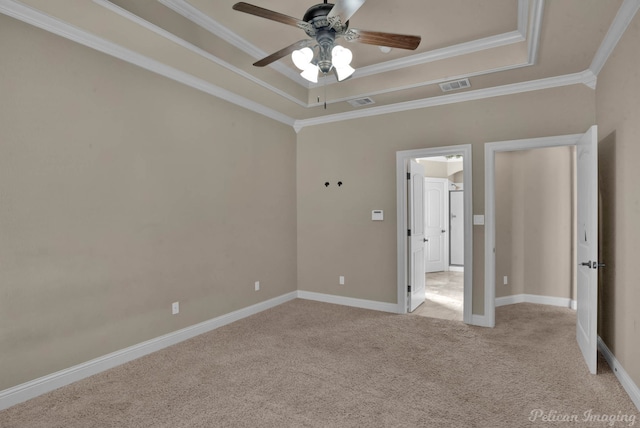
[122,192]
[434,169]
[535,222]
[618,118]
[437,169]
[335,234]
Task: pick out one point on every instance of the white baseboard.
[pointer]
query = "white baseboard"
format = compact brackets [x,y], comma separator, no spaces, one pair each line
[623,377]
[456,268]
[32,389]
[349,301]
[534,298]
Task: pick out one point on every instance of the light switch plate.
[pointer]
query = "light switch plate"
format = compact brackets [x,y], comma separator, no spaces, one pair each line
[377,215]
[478,219]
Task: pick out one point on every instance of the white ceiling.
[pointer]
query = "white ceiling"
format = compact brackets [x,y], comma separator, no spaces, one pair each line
[502,46]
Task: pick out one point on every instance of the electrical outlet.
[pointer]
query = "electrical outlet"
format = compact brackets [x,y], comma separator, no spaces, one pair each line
[506,280]
[341,279]
[257,285]
[175,308]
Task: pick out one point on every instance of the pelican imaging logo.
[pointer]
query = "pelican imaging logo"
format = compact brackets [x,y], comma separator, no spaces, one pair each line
[588,416]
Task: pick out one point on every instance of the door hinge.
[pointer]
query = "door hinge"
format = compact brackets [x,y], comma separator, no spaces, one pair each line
[408,176]
[409,232]
[409,288]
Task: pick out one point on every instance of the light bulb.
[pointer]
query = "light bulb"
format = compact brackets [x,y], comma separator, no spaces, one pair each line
[302,57]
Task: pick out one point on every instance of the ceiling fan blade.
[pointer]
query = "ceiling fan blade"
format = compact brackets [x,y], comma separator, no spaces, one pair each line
[401,41]
[344,9]
[283,52]
[268,14]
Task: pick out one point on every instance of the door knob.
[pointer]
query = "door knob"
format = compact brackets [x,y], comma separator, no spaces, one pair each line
[597,265]
[425,239]
[443,231]
[587,264]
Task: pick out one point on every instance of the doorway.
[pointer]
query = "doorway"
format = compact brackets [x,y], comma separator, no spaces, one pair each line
[586,236]
[444,236]
[404,263]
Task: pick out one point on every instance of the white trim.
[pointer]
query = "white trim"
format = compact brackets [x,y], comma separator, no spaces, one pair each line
[193,48]
[402,159]
[454,268]
[535,28]
[39,19]
[42,385]
[438,54]
[622,375]
[348,301]
[496,91]
[480,321]
[562,302]
[623,18]
[490,149]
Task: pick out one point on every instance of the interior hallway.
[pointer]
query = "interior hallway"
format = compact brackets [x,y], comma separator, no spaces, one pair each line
[444,296]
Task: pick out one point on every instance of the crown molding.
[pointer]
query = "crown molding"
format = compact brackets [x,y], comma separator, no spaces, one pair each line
[46,22]
[196,16]
[523,16]
[514,88]
[439,54]
[193,48]
[623,18]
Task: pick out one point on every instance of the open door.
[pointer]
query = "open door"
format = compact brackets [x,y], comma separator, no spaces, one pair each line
[587,246]
[435,223]
[416,235]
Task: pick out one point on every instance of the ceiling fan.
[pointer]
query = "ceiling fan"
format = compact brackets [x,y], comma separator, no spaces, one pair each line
[324,23]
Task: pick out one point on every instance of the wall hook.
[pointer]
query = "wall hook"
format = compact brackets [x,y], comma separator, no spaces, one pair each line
[326,184]
[339,183]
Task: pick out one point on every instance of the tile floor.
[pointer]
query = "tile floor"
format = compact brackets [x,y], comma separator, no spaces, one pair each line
[444,296]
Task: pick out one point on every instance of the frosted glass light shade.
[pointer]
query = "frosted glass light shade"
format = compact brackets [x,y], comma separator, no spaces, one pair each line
[344,72]
[310,73]
[341,56]
[302,58]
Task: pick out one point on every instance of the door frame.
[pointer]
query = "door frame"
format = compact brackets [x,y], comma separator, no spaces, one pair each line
[402,160]
[449,226]
[490,149]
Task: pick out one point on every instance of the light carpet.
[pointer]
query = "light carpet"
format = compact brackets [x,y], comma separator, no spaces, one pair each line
[310,364]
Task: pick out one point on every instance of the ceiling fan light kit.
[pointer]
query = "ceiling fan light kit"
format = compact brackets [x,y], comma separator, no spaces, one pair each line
[324,23]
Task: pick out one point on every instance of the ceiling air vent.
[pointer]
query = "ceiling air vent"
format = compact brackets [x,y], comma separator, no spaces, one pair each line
[455,85]
[361,102]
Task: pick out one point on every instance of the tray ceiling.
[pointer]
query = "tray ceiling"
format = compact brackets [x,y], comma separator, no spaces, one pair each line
[497,44]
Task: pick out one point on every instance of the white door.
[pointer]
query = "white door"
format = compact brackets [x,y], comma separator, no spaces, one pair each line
[435,202]
[416,235]
[587,244]
[456,227]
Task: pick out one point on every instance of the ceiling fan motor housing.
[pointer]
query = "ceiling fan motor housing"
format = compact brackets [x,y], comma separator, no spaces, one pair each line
[317,17]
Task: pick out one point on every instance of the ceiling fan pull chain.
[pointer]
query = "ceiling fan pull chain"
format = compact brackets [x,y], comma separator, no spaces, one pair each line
[324,79]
